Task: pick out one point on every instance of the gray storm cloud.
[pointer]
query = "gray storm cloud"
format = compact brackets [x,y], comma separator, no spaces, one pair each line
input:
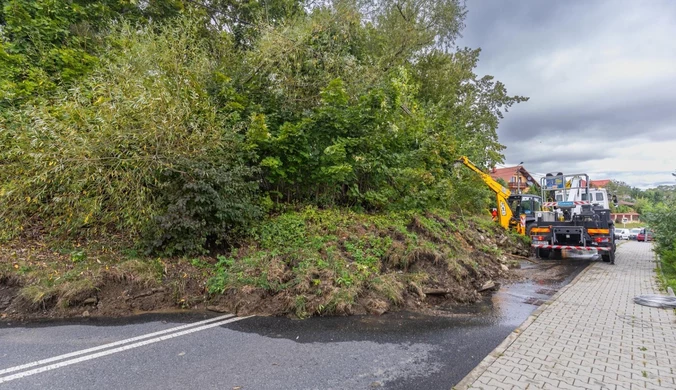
[601,76]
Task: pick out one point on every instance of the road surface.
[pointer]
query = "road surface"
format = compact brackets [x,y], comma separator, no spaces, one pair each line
[210,351]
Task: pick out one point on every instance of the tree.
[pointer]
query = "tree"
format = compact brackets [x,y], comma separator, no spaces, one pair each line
[338,121]
[137,149]
[620,189]
[47,43]
[359,103]
[465,107]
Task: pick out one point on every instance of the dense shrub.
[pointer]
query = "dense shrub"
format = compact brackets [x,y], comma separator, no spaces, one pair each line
[350,112]
[137,146]
[662,219]
[161,121]
[207,206]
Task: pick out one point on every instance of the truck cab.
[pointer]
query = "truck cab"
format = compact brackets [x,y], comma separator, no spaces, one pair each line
[596,197]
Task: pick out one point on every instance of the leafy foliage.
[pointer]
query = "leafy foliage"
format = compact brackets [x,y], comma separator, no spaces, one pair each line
[347,124]
[661,218]
[47,43]
[178,121]
[215,202]
[137,140]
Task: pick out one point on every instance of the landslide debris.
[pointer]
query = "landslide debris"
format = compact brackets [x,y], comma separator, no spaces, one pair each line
[305,263]
[320,262]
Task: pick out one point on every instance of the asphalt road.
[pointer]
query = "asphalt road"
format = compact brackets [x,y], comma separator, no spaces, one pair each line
[208,351]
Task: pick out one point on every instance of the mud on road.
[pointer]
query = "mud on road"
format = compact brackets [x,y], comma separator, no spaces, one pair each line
[114,293]
[396,350]
[372,267]
[552,273]
[119,297]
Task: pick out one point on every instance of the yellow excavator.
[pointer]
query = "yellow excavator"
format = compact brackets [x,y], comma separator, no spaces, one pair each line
[509,206]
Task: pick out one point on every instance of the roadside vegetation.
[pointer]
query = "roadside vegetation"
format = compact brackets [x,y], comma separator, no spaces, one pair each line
[662,220]
[304,263]
[275,144]
[317,262]
[177,152]
[657,207]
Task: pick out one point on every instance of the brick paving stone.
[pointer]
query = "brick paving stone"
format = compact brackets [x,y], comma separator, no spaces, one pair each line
[593,336]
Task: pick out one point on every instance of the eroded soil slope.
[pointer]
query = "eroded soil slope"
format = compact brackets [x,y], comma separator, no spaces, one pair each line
[300,264]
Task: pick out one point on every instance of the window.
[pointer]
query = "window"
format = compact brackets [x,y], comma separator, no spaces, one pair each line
[526,205]
[514,206]
[584,196]
[599,196]
[512,180]
[536,205]
[559,198]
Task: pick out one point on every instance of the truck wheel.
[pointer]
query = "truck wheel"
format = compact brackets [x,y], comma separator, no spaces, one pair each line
[541,253]
[529,228]
[558,254]
[609,257]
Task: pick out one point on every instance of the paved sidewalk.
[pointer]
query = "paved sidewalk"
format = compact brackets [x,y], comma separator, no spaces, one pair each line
[591,335]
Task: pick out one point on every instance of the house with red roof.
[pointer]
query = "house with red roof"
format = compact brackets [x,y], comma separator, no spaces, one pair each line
[596,183]
[627,217]
[517,178]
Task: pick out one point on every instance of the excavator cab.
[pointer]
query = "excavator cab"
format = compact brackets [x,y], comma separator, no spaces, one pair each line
[525,205]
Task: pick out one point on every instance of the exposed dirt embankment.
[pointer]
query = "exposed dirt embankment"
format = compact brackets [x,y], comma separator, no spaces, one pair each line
[127,288]
[313,262]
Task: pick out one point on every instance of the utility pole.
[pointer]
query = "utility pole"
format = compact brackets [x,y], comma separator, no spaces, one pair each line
[518,177]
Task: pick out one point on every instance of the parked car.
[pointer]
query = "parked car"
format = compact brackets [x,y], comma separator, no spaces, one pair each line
[621,234]
[644,235]
[633,233]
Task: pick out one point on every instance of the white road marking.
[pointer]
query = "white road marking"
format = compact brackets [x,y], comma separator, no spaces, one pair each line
[115,350]
[110,345]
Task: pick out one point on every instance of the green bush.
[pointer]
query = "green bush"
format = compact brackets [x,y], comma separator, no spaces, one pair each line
[122,118]
[137,148]
[210,206]
[347,111]
[662,219]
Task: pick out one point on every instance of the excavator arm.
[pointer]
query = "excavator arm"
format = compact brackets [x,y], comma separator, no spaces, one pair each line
[502,194]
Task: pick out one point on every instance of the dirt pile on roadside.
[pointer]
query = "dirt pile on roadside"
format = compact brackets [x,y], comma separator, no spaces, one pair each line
[300,264]
[367,265]
[38,283]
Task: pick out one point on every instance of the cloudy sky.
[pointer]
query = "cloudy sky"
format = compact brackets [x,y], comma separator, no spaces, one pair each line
[601,77]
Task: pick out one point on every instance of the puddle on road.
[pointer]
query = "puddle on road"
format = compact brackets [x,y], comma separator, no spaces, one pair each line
[514,301]
[507,307]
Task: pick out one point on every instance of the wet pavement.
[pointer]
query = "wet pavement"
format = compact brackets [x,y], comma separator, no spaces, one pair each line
[393,351]
[592,335]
